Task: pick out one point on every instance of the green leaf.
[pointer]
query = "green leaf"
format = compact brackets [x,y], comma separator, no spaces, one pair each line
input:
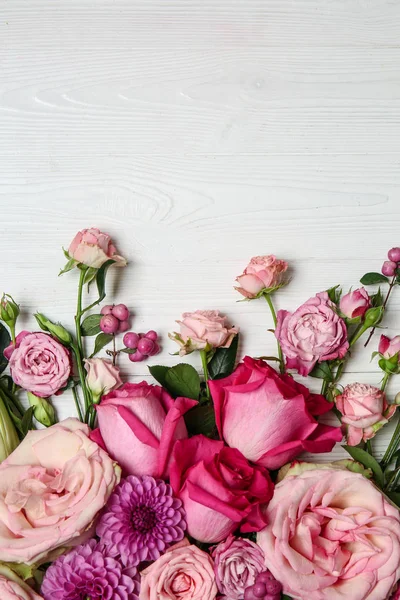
[68,267]
[377,299]
[159,373]
[285,597]
[322,371]
[101,279]
[5,341]
[368,461]
[201,420]
[26,422]
[91,325]
[183,380]
[90,275]
[128,350]
[394,497]
[334,293]
[102,340]
[373,278]
[223,362]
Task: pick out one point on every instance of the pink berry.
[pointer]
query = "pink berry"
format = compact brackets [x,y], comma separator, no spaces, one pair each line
[394,255]
[131,340]
[155,350]
[274,587]
[265,576]
[249,594]
[152,335]
[121,312]
[145,346]
[389,267]
[109,324]
[123,326]
[106,310]
[136,357]
[259,590]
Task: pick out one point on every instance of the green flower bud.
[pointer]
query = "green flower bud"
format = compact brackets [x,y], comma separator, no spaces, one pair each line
[42,410]
[9,310]
[8,434]
[55,329]
[373,317]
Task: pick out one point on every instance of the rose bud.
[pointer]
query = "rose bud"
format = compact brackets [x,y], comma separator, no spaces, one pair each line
[389,347]
[102,377]
[262,273]
[9,310]
[93,248]
[355,303]
[203,329]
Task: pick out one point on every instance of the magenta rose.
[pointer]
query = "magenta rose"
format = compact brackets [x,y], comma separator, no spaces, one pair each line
[355,303]
[237,562]
[313,333]
[13,588]
[93,248]
[270,417]
[389,347]
[219,488]
[139,424]
[262,273]
[38,363]
[364,410]
[331,535]
[203,329]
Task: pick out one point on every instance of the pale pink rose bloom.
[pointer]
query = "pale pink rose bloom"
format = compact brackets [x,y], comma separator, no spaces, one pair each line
[355,303]
[201,329]
[184,572]
[365,410]
[51,489]
[332,535]
[13,588]
[39,364]
[311,334]
[93,248]
[261,273]
[102,377]
[389,347]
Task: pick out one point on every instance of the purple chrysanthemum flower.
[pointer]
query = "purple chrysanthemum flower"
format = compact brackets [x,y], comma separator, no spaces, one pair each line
[142,518]
[88,573]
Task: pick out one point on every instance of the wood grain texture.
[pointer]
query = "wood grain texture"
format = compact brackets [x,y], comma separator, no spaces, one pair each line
[199,134]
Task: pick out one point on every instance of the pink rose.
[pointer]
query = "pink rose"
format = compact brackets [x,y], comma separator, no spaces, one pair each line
[38,363]
[365,410]
[51,488]
[355,303]
[102,377]
[93,248]
[184,572]
[389,347]
[331,535]
[313,333]
[270,417]
[139,424]
[13,588]
[262,272]
[203,329]
[237,562]
[219,488]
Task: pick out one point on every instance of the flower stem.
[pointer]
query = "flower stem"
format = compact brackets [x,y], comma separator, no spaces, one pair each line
[395,441]
[369,447]
[78,348]
[391,286]
[385,380]
[203,356]
[77,404]
[273,313]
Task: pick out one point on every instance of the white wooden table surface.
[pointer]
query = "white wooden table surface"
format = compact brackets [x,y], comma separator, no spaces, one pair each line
[199,133]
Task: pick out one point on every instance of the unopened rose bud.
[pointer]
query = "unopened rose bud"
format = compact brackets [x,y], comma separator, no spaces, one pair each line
[389,268]
[55,329]
[9,310]
[373,317]
[394,255]
[355,304]
[8,435]
[102,377]
[42,410]
[389,347]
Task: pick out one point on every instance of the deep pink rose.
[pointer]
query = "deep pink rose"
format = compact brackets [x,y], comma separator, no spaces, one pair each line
[270,417]
[203,329]
[184,572]
[219,488]
[313,333]
[262,272]
[38,363]
[13,588]
[365,410]
[139,424]
[389,347]
[355,303]
[51,489]
[331,535]
[93,248]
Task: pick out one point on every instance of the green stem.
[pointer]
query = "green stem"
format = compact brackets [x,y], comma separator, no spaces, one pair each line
[324,387]
[392,447]
[12,331]
[78,348]
[78,315]
[357,333]
[11,396]
[391,286]
[385,380]
[81,373]
[77,404]
[203,356]
[273,313]
[369,447]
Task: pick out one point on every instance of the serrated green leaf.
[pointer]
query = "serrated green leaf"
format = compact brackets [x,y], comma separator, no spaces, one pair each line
[373,278]
[322,371]
[201,420]
[101,340]
[5,341]
[159,372]
[26,422]
[368,461]
[223,362]
[183,380]
[91,325]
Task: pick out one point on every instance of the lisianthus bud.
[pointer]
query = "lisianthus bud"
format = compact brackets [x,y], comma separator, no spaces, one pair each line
[42,410]
[8,435]
[55,329]
[102,377]
[9,310]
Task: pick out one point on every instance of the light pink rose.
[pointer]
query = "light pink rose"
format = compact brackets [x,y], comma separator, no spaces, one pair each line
[51,488]
[203,329]
[262,272]
[365,410]
[270,417]
[237,562]
[313,333]
[184,572]
[102,377]
[93,248]
[389,347]
[220,490]
[355,303]
[39,364]
[13,588]
[331,535]
[139,424]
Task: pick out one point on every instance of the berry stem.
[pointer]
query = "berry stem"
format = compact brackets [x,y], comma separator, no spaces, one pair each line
[391,286]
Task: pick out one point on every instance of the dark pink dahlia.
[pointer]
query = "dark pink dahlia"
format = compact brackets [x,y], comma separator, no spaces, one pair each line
[142,518]
[88,573]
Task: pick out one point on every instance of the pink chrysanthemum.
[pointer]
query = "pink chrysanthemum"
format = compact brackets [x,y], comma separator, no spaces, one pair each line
[88,572]
[142,518]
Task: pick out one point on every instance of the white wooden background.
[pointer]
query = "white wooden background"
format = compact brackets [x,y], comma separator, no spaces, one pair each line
[199,133]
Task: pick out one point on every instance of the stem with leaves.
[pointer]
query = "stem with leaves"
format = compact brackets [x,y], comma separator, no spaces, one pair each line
[273,313]
[391,286]
[78,347]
